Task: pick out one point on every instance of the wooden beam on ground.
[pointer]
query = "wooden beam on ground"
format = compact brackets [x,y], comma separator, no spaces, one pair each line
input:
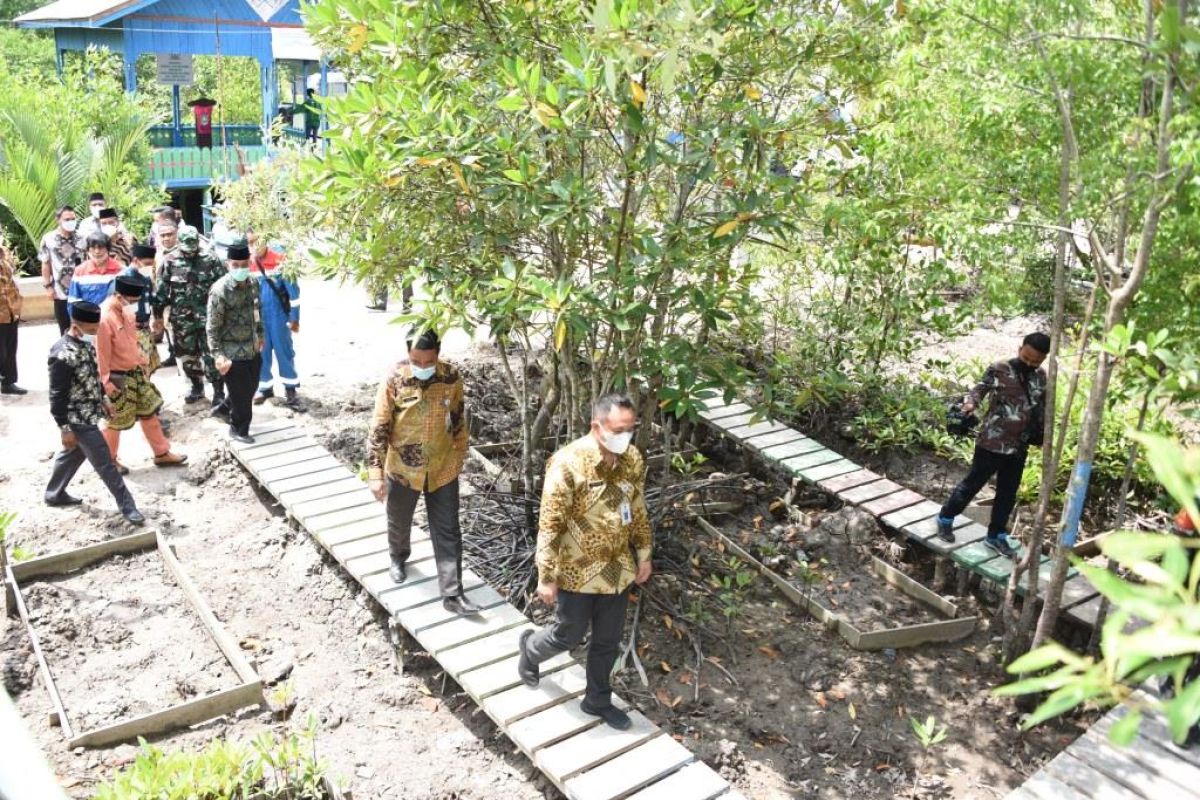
[178,716]
[80,557]
[60,713]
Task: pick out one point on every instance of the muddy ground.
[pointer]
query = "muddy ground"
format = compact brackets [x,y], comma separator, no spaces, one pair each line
[782,707]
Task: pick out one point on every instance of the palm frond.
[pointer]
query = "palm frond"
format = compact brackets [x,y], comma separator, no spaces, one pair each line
[31,208]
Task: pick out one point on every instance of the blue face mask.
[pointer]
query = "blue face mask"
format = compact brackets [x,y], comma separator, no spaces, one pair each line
[240,273]
[424,373]
[90,338]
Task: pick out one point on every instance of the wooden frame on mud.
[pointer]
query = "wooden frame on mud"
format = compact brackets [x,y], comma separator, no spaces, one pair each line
[943,630]
[248,693]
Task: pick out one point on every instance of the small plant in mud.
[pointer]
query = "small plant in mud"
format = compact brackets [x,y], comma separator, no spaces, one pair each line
[928,733]
[282,699]
[807,575]
[731,588]
[267,768]
[687,467]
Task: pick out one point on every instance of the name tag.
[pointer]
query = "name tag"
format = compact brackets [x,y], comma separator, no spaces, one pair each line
[626,513]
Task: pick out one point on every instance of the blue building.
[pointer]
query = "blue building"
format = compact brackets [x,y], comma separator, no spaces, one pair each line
[270,31]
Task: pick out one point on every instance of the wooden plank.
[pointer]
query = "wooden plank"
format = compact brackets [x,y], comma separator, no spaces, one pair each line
[306,480]
[752,429]
[417,591]
[905,516]
[426,615]
[830,470]
[1047,787]
[925,528]
[912,588]
[494,678]
[869,491]
[369,564]
[358,530]
[796,447]
[593,747]
[760,441]
[553,725]
[1087,780]
[482,652]
[361,547]
[357,497]
[285,459]
[179,716]
[80,557]
[1155,729]
[892,502]
[1150,769]
[468,628]
[319,523]
[797,463]
[717,401]
[625,774]
[696,781]
[974,554]
[296,496]
[723,423]
[848,480]
[267,426]
[1086,613]
[507,707]
[943,630]
[260,452]
[271,477]
[228,646]
[264,439]
[725,412]
[47,676]
[1075,591]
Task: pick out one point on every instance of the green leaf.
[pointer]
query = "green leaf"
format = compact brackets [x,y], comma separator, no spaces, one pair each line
[512,102]
[1045,656]
[514,175]
[1125,729]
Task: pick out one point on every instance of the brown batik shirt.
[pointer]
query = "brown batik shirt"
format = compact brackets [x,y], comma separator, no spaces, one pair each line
[1014,394]
[418,432]
[593,519]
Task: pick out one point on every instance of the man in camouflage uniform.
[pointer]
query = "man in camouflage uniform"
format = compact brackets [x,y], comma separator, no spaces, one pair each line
[185,280]
[1014,420]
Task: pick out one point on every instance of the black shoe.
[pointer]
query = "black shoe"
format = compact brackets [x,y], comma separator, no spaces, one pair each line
[531,674]
[263,397]
[134,517]
[244,438]
[170,362]
[612,716]
[1000,544]
[12,388]
[945,529]
[460,605]
[220,412]
[398,572]
[197,392]
[293,399]
[63,500]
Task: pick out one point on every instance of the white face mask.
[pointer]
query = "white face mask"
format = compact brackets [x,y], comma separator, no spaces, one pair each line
[109,230]
[69,225]
[615,443]
[424,373]
[90,338]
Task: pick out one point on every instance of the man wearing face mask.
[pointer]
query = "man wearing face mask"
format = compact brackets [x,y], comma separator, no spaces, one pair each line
[594,543]
[125,375]
[120,241]
[93,279]
[77,404]
[235,339]
[91,223]
[416,446]
[60,252]
[185,279]
[1014,420]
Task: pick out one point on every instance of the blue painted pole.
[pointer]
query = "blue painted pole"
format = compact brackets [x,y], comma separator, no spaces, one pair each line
[176,120]
[1076,495]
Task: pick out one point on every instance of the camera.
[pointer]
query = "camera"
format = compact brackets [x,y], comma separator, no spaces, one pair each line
[959,422]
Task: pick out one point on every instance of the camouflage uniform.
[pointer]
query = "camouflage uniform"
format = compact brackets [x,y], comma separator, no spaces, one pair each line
[183,284]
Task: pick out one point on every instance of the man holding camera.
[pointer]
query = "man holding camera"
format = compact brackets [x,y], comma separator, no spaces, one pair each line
[1014,420]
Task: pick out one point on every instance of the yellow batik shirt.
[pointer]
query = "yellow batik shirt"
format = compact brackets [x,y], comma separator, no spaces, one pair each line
[418,428]
[593,519]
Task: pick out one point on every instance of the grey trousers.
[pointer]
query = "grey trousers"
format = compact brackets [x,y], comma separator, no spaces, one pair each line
[91,446]
[576,610]
[441,507]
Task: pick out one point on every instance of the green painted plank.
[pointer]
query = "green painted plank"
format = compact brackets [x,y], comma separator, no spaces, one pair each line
[830,470]
[716,415]
[761,441]
[869,491]
[744,432]
[797,463]
[796,447]
[974,554]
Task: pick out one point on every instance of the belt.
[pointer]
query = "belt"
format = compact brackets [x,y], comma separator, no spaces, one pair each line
[118,372]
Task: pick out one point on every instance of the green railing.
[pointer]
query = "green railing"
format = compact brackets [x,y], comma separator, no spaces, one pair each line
[196,164]
[163,135]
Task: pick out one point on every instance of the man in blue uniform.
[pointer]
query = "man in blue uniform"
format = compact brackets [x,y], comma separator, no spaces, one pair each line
[279,297]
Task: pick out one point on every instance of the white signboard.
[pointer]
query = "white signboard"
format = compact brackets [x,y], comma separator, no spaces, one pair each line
[174,68]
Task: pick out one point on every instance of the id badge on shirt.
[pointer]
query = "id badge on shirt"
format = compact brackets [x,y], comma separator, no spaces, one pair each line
[626,513]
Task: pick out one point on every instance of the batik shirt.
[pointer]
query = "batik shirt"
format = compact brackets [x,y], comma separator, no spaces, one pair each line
[76,396]
[1015,392]
[418,432]
[234,323]
[593,519]
[64,252]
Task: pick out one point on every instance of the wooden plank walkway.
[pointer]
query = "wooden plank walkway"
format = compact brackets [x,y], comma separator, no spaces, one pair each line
[900,510]
[1150,768]
[584,759]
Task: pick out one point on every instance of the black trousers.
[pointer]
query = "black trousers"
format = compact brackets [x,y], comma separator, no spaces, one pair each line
[8,352]
[62,316]
[985,464]
[240,383]
[441,507]
[576,611]
[91,446]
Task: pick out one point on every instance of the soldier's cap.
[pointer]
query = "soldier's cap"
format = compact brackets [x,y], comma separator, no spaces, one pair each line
[189,237]
[83,311]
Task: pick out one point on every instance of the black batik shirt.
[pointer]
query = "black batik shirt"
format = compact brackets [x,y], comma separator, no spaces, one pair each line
[76,396]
